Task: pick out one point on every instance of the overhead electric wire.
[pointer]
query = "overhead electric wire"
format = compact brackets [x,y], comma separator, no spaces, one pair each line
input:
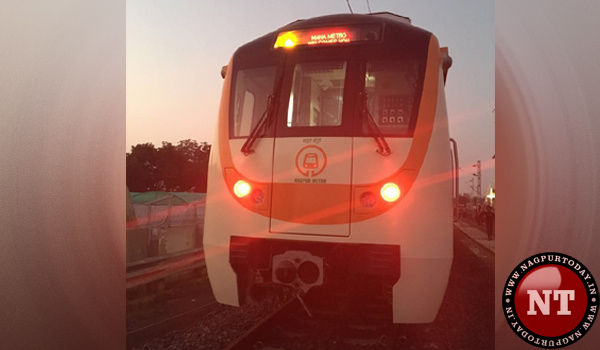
[349,7]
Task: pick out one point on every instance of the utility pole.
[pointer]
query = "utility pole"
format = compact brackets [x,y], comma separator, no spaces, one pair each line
[472,185]
[478,176]
[479,179]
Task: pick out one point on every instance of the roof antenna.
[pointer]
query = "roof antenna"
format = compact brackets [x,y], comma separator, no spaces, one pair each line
[369,6]
[350,7]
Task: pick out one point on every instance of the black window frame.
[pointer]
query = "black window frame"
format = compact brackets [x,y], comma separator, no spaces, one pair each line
[314,55]
[270,59]
[386,53]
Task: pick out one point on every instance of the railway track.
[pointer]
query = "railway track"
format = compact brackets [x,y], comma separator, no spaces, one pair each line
[280,323]
[252,338]
[140,336]
[210,326]
[291,327]
[154,269]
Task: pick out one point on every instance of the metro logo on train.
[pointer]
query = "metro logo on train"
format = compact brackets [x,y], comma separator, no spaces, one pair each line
[331,173]
[311,161]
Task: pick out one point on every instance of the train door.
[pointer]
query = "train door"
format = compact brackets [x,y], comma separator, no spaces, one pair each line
[312,158]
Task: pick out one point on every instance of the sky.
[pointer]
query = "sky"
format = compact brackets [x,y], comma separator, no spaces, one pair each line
[175,51]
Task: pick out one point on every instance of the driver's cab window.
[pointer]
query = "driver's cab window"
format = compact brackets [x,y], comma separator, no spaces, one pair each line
[252,90]
[317,95]
[391,88]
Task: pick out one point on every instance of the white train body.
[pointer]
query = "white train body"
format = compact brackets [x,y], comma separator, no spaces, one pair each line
[301,200]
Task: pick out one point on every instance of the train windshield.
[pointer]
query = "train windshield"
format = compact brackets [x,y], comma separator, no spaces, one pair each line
[317,94]
[319,97]
[391,88]
[252,90]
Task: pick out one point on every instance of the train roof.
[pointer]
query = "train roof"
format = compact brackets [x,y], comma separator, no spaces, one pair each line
[388,19]
[346,18]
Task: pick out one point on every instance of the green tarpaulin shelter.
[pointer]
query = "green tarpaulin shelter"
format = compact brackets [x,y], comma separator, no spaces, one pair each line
[166,198]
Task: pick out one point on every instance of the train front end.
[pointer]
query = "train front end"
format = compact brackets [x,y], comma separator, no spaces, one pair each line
[331,171]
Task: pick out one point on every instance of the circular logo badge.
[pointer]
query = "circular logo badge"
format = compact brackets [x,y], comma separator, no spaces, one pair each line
[311,161]
[550,300]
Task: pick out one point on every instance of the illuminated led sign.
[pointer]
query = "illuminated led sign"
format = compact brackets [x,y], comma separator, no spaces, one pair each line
[328,36]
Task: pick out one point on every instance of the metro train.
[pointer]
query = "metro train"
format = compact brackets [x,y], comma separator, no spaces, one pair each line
[332,169]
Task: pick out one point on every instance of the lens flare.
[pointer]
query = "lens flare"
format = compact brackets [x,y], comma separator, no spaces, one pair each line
[288,43]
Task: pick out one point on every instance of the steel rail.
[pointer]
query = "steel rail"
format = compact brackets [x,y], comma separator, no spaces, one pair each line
[249,338]
[165,268]
[138,264]
[144,334]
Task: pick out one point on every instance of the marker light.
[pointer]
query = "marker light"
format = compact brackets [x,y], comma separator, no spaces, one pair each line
[241,188]
[368,200]
[258,197]
[390,192]
[286,39]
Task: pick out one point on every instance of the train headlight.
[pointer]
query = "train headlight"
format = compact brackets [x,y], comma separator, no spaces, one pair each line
[390,192]
[241,188]
[368,200]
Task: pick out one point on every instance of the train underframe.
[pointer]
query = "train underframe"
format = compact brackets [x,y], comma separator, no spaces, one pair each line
[350,278]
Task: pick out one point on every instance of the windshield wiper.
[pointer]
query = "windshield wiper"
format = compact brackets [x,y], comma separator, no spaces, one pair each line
[260,127]
[383,147]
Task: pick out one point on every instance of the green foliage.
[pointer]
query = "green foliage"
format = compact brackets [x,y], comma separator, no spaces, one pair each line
[173,168]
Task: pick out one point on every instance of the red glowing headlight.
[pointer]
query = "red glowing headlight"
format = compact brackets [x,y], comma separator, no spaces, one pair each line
[241,188]
[390,192]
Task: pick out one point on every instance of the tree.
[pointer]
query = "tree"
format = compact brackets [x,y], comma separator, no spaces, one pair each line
[141,166]
[196,155]
[174,168]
